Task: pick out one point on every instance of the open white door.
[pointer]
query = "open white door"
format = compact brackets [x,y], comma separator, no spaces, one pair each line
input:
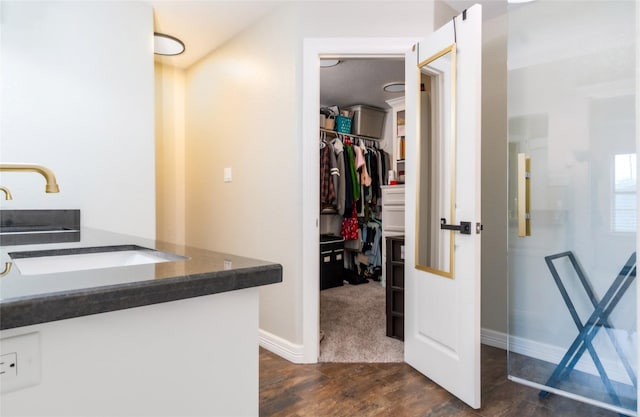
[442,267]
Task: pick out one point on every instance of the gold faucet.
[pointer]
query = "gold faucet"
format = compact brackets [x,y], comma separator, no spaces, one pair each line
[7,269]
[7,193]
[52,185]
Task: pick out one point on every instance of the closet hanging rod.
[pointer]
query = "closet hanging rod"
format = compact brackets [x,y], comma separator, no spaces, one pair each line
[342,135]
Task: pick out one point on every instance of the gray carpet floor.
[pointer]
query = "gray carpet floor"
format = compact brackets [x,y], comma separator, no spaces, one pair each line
[353,320]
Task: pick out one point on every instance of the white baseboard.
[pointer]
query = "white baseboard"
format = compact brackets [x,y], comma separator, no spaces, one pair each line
[493,338]
[290,351]
[295,353]
[551,353]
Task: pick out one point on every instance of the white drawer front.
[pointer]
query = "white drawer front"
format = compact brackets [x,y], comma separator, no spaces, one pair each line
[393,196]
[393,218]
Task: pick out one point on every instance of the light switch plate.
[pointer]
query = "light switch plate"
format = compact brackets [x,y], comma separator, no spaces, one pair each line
[227,175]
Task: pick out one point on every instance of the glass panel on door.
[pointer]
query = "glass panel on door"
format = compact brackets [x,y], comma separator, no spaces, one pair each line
[572,200]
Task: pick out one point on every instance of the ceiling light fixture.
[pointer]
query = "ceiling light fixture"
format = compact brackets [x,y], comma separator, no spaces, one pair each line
[167,45]
[396,87]
[326,63]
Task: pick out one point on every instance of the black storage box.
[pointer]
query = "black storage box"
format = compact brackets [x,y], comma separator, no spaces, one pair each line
[331,261]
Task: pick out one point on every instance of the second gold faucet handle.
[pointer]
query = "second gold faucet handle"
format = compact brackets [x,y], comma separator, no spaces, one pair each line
[7,193]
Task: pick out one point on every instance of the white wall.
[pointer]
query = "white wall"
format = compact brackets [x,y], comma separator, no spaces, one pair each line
[170,169]
[494,174]
[443,13]
[77,97]
[244,111]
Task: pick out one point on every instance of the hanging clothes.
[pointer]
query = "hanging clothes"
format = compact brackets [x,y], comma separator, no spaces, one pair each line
[327,190]
[349,201]
[371,233]
[373,172]
[353,172]
[335,173]
[338,149]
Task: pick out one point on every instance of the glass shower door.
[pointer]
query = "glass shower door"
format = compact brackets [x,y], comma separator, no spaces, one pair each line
[572,200]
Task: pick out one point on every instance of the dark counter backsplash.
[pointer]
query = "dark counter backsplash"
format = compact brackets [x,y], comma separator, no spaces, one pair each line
[43,226]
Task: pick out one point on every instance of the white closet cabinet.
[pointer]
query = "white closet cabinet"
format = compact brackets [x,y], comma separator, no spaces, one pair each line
[392,219]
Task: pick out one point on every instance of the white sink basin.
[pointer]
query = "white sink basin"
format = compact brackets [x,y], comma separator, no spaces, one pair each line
[46,262]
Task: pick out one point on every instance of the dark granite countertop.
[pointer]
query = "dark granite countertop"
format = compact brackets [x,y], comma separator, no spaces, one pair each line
[41,298]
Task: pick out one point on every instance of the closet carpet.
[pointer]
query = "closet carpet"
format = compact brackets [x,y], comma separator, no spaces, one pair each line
[353,320]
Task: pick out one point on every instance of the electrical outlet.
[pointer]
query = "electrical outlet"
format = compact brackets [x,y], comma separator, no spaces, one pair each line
[20,357]
[9,365]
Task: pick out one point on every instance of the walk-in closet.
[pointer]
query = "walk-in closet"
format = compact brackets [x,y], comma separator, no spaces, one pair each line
[361,154]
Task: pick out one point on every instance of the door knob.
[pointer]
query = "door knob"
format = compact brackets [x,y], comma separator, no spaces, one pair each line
[464,227]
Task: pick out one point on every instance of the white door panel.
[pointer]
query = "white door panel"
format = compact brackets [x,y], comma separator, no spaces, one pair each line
[438,331]
[442,320]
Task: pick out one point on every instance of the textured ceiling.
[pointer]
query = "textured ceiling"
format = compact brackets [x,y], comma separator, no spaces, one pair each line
[360,81]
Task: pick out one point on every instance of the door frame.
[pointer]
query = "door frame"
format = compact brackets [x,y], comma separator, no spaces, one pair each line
[313,49]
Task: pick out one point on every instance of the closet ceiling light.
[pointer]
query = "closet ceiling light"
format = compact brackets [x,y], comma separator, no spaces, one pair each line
[394,87]
[166,45]
[325,63]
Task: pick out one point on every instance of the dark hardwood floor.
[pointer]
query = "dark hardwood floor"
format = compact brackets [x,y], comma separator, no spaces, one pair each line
[383,389]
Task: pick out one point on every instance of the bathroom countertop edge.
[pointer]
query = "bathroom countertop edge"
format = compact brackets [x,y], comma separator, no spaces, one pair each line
[65,305]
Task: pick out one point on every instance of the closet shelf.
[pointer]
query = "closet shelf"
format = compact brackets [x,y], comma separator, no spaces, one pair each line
[342,135]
